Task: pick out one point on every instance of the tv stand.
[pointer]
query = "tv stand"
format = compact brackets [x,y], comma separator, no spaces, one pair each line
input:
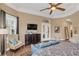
[32,38]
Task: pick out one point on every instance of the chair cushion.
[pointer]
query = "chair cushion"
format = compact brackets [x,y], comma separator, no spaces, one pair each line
[13,41]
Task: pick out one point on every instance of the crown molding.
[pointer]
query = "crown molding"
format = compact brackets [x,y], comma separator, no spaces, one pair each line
[56,15]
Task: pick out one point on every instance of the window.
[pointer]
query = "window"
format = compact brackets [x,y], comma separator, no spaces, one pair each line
[11,23]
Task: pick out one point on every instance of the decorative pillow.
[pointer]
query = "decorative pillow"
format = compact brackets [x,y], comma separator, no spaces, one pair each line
[13,41]
[53,42]
[36,47]
[49,43]
[43,45]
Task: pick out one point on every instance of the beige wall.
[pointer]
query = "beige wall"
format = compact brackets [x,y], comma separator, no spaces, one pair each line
[25,18]
[9,11]
[32,19]
[62,23]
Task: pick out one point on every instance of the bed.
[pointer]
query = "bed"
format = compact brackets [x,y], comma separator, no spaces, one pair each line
[44,44]
[64,48]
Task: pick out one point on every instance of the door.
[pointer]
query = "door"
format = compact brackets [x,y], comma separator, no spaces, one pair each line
[45,32]
[66,33]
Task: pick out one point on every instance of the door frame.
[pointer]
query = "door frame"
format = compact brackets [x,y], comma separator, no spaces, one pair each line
[42,39]
[66,32]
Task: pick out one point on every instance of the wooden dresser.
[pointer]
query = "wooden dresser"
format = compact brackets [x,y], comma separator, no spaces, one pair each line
[32,38]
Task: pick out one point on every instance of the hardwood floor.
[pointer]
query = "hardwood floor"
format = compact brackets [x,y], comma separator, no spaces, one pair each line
[22,51]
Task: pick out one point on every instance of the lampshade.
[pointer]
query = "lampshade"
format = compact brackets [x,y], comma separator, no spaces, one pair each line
[3,31]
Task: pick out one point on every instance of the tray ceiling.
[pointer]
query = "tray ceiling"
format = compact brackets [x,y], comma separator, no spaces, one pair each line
[34,8]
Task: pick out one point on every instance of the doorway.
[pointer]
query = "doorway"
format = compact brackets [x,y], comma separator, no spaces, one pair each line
[66,31]
[45,32]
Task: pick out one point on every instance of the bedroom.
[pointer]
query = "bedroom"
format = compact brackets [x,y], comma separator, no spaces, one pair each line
[59,26]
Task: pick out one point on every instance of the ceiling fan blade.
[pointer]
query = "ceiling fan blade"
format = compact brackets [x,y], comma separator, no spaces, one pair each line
[58,4]
[62,9]
[50,4]
[44,9]
[50,12]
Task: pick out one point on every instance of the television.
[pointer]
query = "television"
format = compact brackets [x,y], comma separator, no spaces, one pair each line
[31,26]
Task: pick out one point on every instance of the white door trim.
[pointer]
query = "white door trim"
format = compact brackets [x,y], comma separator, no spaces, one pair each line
[42,39]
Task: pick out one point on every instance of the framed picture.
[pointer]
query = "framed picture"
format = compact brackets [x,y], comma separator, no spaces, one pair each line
[57,29]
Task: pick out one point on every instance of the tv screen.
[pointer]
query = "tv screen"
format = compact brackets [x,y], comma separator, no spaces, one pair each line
[31,26]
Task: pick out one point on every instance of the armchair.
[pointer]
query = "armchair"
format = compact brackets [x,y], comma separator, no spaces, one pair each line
[15,44]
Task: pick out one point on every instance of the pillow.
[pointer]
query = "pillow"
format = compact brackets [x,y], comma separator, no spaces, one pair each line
[53,42]
[13,41]
[36,47]
[46,44]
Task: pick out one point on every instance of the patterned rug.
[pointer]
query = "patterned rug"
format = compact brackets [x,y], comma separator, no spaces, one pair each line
[63,49]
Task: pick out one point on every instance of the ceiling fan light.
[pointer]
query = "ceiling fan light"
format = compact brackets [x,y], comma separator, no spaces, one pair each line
[53,8]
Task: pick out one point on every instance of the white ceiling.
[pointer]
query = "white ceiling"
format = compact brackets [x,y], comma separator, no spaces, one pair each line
[34,8]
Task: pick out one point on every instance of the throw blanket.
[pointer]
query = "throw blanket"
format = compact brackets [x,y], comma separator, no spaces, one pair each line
[62,49]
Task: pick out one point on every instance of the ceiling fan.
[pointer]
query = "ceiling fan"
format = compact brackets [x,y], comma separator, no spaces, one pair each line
[53,7]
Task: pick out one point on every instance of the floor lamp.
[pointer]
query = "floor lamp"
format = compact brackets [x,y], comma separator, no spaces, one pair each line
[4,33]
